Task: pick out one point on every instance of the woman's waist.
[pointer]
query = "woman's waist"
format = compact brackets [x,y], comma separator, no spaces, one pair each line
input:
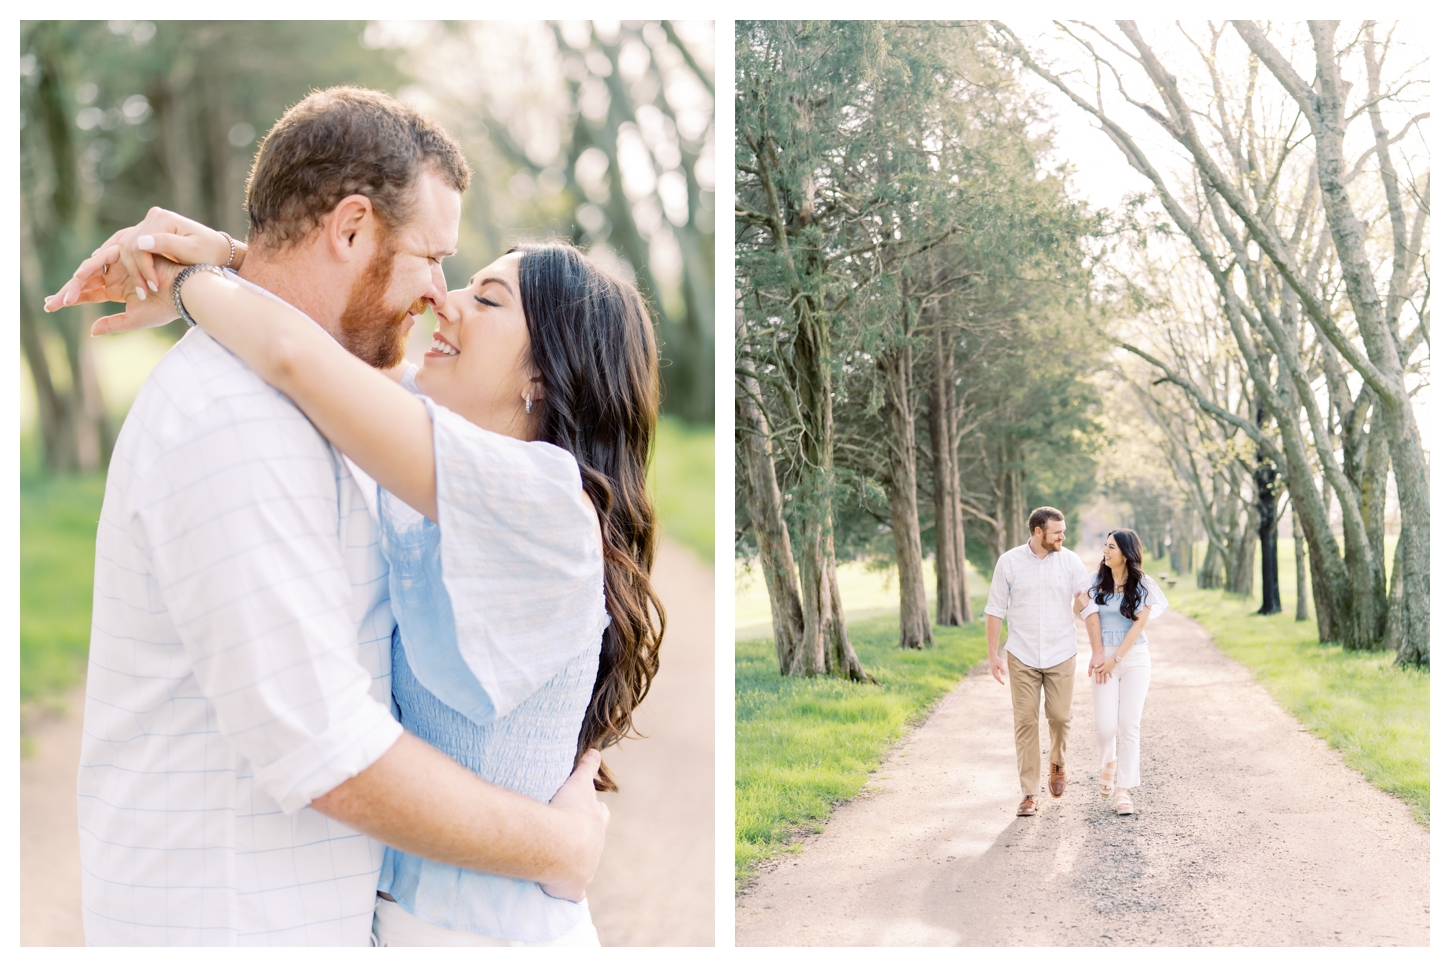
[530,751]
[482,903]
[531,755]
[1113,638]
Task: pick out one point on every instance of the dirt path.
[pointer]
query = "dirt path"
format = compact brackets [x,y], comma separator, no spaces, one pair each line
[1250,832]
[656,882]
[50,852]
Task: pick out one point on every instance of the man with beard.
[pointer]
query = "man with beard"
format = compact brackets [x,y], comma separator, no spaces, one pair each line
[1035,587]
[240,770]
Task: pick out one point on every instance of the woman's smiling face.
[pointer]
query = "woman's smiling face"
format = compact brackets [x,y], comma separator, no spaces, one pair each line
[1111,555]
[479,364]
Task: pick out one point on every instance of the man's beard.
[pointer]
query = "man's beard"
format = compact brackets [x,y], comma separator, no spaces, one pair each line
[370,329]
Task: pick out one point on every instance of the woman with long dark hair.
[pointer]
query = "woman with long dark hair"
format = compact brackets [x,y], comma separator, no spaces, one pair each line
[516,524]
[1121,669]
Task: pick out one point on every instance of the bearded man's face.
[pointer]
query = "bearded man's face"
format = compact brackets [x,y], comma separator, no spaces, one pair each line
[374,324]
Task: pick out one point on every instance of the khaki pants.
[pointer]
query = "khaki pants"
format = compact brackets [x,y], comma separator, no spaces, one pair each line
[1028,687]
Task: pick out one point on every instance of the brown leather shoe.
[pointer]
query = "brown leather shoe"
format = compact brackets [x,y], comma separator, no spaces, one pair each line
[1057,782]
[1027,807]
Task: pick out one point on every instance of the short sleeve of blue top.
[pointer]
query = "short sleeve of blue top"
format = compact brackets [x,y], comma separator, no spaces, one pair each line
[1115,626]
[500,614]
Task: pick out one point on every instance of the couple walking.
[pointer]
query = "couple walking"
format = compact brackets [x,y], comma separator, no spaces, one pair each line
[1038,587]
[361,627]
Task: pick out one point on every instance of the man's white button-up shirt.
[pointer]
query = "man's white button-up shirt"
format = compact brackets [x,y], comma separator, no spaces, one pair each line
[1035,594]
[239,668]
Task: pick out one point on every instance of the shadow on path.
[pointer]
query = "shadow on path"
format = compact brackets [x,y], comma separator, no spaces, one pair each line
[1250,831]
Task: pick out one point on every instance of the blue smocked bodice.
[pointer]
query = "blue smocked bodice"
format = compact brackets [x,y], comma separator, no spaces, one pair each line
[500,615]
[1115,626]
[531,751]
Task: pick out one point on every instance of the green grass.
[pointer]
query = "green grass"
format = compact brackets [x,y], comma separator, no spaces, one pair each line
[682,479]
[1375,714]
[802,746]
[57,550]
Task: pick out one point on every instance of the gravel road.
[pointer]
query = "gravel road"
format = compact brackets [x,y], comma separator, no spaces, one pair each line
[656,882]
[1250,831]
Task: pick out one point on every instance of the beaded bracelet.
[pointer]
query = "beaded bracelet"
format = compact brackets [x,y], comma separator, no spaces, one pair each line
[232,247]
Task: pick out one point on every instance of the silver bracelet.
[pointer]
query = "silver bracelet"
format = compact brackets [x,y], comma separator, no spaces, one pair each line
[181,277]
[232,245]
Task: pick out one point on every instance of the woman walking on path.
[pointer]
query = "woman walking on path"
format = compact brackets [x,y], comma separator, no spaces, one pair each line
[1121,669]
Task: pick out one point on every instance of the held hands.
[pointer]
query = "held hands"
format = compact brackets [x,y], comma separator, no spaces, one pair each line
[125,269]
[577,796]
[1100,669]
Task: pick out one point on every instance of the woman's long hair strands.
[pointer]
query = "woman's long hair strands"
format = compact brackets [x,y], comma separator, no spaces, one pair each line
[1134,594]
[593,347]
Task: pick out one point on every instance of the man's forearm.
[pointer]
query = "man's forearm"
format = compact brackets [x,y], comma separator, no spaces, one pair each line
[418,800]
[994,633]
[1095,632]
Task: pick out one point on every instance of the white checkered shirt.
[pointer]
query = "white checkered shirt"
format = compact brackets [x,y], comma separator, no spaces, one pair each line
[239,668]
[1035,595]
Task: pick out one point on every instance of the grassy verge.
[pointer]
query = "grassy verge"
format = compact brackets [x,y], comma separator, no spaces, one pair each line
[57,550]
[1376,715]
[802,746]
[682,479]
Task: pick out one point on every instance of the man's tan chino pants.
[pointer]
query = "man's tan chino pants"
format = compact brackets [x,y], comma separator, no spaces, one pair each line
[1028,685]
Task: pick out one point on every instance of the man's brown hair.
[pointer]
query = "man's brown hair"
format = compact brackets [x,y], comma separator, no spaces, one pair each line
[1041,516]
[339,142]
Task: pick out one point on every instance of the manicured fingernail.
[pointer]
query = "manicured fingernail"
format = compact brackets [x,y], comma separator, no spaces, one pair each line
[70,297]
[153,286]
[141,291]
[146,243]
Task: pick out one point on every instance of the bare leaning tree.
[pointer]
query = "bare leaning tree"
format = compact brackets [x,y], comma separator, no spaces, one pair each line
[1321,275]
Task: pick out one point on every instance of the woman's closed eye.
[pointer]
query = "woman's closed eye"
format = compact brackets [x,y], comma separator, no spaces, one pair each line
[486,301]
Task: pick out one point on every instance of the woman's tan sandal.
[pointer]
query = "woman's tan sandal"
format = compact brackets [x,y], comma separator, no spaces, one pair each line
[1105,781]
[1124,803]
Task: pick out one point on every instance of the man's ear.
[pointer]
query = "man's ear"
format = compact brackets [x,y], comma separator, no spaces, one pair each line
[349,227]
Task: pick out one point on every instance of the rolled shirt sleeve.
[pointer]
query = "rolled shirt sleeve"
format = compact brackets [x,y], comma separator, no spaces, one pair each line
[1086,580]
[999,596]
[246,551]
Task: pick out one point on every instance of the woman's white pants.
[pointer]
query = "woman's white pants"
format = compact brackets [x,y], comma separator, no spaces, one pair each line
[1118,713]
[395,927]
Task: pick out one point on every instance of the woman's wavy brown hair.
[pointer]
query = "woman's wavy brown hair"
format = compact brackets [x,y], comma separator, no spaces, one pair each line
[593,347]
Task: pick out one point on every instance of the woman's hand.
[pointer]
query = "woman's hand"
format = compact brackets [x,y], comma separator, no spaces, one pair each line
[1102,668]
[126,265]
[1080,601]
[140,313]
[578,797]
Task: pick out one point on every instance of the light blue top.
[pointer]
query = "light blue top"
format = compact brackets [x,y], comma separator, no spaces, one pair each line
[1115,626]
[500,613]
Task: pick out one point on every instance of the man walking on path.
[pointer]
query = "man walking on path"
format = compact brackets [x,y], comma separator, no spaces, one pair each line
[1033,586]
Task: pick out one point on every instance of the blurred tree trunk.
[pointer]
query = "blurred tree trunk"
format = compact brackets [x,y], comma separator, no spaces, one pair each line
[1242,580]
[900,445]
[1267,505]
[953,604]
[767,519]
[75,430]
[1301,593]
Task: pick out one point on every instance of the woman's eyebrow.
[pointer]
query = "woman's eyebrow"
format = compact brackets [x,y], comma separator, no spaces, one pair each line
[493,278]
